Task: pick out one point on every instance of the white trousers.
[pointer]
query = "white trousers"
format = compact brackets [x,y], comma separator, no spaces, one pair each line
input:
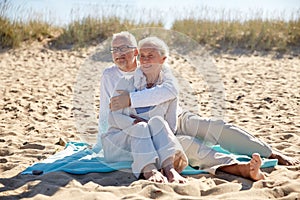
[145,143]
[196,134]
[229,137]
[204,157]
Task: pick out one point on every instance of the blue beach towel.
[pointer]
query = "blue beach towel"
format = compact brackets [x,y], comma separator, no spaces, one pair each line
[77,158]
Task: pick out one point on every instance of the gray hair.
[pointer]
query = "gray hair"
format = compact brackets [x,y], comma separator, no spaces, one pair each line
[127,35]
[160,45]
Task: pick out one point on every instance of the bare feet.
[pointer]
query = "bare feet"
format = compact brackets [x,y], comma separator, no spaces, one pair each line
[151,173]
[155,176]
[254,168]
[250,170]
[283,159]
[173,176]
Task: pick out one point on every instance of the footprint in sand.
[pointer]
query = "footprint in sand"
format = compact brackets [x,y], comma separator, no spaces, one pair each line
[6,152]
[32,146]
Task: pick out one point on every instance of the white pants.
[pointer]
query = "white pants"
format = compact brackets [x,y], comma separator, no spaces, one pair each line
[204,157]
[145,143]
[197,134]
[229,137]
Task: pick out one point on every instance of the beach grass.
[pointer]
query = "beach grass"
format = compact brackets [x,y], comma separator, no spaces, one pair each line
[226,33]
[256,34]
[12,34]
[89,31]
[15,32]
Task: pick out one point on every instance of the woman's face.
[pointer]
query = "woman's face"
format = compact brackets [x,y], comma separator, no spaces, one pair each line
[150,59]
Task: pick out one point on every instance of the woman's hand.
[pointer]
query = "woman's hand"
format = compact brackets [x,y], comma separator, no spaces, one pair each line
[121,101]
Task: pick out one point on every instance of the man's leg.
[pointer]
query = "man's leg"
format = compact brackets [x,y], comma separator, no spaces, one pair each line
[172,157]
[144,154]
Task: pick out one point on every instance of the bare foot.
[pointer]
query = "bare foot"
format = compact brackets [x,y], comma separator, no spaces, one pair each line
[254,166]
[173,176]
[155,176]
[250,170]
[283,159]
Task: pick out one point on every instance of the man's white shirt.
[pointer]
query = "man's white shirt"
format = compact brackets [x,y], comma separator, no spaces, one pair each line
[149,97]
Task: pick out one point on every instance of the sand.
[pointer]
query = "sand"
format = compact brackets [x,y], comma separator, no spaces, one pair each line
[262,95]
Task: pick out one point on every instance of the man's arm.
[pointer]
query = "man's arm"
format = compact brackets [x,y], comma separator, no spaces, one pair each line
[105,90]
[121,118]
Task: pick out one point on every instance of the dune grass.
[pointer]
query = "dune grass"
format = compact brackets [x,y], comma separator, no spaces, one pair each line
[253,34]
[15,32]
[93,30]
[12,34]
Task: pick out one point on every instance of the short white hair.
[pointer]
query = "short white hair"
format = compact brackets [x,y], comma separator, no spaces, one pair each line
[160,45]
[127,35]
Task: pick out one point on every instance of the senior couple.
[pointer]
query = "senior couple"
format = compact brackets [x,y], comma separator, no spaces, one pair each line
[140,121]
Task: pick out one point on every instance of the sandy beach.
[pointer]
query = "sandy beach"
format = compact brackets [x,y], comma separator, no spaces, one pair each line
[262,95]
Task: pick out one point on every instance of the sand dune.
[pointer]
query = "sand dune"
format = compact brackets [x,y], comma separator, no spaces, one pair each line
[262,95]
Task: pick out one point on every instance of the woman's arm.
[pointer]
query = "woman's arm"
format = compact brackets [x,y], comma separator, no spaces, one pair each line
[161,93]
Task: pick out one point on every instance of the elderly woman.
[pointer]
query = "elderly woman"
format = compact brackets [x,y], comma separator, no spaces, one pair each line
[146,135]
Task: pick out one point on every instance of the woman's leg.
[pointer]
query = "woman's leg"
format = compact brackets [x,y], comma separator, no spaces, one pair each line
[204,157]
[230,137]
[249,170]
[208,159]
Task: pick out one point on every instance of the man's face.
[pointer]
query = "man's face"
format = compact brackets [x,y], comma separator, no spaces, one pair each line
[124,54]
[150,59]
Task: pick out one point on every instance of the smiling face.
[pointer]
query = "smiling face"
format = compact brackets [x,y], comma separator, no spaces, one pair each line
[124,54]
[150,59]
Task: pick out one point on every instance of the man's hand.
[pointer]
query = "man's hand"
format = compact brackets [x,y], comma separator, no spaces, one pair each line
[137,119]
[121,101]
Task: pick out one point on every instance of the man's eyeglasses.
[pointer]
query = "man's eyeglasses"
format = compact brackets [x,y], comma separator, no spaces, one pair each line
[121,49]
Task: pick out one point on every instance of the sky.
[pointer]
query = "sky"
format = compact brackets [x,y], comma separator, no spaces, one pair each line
[64,11]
